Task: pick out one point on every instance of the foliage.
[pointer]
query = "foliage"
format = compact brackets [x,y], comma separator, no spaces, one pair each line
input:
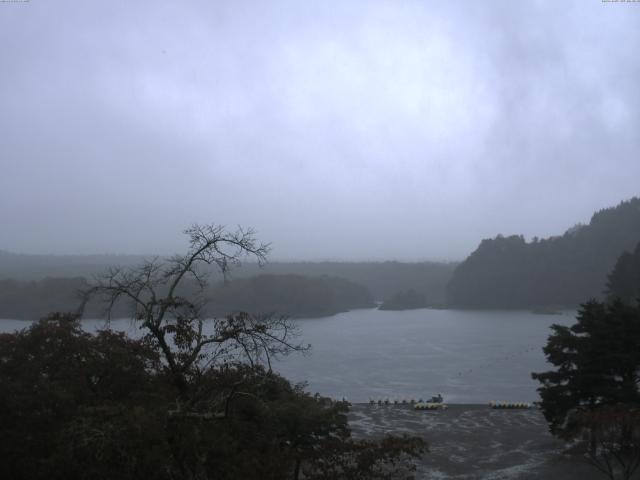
[35,299]
[293,295]
[381,279]
[509,272]
[624,281]
[59,385]
[173,320]
[597,362]
[194,398]
[592,396]
[76,405]
[610,435]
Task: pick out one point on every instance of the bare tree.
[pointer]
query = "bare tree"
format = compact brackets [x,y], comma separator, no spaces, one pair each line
[168,297]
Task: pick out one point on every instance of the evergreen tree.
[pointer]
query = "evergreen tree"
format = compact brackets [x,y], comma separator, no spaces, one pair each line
[592,395]
[624,281]
[597,362]
[560,271]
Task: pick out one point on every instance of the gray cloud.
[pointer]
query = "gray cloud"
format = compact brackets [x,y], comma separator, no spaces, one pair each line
[343,130]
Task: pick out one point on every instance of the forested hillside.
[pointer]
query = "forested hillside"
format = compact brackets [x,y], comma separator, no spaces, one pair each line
[624,280]
[287,295]
[509,272]
[405,300]
[291,295]
[32,300]
[383,279]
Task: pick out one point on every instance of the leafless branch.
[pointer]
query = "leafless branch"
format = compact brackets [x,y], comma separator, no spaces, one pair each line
[176,324]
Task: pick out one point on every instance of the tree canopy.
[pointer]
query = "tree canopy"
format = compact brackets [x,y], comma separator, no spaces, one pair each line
[193,398]
[593,394]
[405,300]
[597,361]
[291,295]
[624,281]
[562,271]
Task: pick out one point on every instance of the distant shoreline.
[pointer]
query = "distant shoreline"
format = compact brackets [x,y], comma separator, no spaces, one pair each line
[564,311]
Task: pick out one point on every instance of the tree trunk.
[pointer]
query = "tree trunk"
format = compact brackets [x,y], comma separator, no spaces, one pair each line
[296,471]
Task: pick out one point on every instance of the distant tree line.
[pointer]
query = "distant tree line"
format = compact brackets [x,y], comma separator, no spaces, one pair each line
[31,300]
[290,295]
[509,272]
[382,279]
[405,300]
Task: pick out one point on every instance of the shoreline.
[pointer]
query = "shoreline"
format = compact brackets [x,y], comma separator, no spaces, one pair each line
[469,441]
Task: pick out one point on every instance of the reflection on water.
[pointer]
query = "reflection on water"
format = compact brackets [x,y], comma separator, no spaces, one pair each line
[468,356]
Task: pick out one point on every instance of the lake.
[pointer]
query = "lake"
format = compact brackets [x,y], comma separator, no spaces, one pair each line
[468,356]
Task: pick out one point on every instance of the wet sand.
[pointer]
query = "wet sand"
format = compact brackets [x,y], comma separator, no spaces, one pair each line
[476,442]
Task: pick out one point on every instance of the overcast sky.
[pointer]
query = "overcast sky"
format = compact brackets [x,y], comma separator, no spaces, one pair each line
[338,129]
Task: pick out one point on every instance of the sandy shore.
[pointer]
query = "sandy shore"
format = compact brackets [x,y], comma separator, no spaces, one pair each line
[476,442]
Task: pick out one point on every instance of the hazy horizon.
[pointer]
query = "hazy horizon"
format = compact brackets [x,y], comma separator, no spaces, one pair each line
[348,131]
[272,259]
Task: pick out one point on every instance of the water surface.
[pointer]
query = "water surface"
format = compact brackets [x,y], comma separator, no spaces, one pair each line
[468,356]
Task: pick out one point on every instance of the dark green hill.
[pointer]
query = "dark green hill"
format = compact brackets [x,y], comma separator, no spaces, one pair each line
[383,279]
[624,280]
[31,300]
[291,295]
[508,272]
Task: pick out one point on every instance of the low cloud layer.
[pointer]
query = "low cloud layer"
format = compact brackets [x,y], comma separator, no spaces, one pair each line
[339,130]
